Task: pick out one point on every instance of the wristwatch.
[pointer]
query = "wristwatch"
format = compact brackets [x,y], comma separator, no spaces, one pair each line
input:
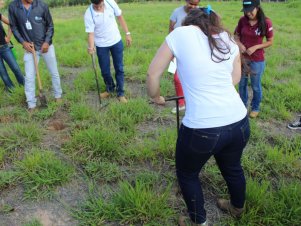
[128,33]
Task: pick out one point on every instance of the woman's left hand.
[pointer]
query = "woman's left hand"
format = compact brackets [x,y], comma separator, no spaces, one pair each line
[251,50]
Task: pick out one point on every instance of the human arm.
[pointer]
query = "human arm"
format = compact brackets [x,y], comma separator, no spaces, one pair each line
[91,48]
[236,72]
[241,46]
[252,49]
[9,33]
[155,71]
[49,30]
[171,26]
[124,26]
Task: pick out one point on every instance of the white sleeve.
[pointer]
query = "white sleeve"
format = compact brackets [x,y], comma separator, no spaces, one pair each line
[112,4]
[173,16]
[89,22]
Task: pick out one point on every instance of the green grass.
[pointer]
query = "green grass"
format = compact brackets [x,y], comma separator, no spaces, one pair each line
[41,172]
[126,152]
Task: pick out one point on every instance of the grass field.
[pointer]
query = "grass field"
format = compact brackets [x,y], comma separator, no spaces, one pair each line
[78,164]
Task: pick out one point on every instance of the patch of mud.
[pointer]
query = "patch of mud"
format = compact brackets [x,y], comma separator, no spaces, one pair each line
[275,128]
[55,212]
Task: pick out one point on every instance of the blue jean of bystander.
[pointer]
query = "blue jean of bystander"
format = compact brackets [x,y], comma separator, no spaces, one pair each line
[257,69]
[7,56]
[103,54]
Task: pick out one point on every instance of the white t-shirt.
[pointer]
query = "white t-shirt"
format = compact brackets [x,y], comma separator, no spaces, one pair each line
[210,96]
[178,15]
[103,25]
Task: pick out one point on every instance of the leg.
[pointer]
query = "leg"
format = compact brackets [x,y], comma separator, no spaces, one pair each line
[50,60]
[257,69]
[117,55]
[12,63]
[179,90]
[30,80]
[192,152]
[228,161]
[4,76]
[103,55]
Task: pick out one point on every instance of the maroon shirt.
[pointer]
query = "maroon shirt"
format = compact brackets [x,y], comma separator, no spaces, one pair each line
[250,36]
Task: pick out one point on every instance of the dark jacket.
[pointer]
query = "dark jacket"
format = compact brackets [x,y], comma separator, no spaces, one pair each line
[41,22]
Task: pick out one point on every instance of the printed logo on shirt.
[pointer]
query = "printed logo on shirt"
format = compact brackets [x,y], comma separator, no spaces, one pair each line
[38,18]
[257,32]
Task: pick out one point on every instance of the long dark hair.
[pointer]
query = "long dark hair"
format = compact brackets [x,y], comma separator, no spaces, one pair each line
[209,23]
[261,21]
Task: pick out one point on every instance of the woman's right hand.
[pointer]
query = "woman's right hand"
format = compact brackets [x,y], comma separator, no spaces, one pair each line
[158,100]
[91,50]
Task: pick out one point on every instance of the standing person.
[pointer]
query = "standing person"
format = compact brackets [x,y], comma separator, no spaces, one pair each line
[32,26]
[176,20]
[7,56]
[215,122]
[103,33]
[249,34]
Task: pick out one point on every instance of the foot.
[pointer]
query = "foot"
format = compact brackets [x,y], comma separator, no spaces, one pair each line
[185,221]
[181,108]
[104,95]
[254,114]
[59,100]
[33,110]
[295,125]
[226,206]
[122,99]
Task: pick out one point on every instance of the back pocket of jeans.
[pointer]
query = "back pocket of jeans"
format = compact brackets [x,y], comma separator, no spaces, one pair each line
[203,142]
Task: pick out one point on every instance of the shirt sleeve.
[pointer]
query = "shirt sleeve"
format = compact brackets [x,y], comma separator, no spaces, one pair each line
[173,16]
[89,23]
[170,41]
[13,24]
[269,29]
[49,25]
[115,7]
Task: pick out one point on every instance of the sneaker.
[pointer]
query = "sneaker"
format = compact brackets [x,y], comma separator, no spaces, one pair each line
[254,114]
[122,99]
[181,108]
[295,125]
[185,221]
[104,95]
[226,205]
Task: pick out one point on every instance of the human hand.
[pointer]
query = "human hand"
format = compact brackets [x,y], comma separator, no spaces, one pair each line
[91,50]
[128,39]
[29,47]
[45,47]
[251,50]
[158,100]
[7,39]
[242,48]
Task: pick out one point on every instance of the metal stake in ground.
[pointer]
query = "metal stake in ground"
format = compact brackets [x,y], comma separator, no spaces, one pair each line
[42,97]
[96,77]
[177,108]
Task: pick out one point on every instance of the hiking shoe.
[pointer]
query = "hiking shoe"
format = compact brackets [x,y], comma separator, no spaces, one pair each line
[295,125]
[254,114]
[185,221]
[226,206]
[181,108]
[104,95]
[122,99]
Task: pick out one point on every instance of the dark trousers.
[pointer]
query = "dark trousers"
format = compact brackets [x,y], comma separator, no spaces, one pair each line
[103,54]
[195,147]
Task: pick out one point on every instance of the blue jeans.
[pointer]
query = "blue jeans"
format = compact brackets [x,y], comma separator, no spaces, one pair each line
[103,54]
[257,69]
[195,147]
[7,56]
